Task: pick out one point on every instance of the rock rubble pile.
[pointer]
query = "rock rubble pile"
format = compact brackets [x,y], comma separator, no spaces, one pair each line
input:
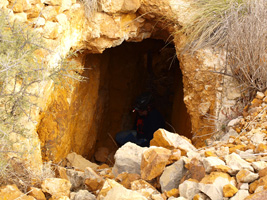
[170,169]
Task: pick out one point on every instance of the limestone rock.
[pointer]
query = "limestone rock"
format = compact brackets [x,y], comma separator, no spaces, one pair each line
[128,159]
[258,196]
[246,176]
[259,95]
[236,163]
[3,4]
[153,162]
[188,189]
[121,193]
[52,30]
[125,179]
[209,162]
[257,138]
[82,195]
[76,179]
[78,162]
[229,190]
[108,185]
[144,188]
[56,187]
[172,175]
[241,194]
[170,140]
[50,13]
[93,181]
[123,6]
[212,185]
[11,192]
[36,193]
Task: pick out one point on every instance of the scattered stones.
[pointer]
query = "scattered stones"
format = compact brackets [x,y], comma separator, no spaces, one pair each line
[172,175]
[246,176]
[11,192]
[163,138]
[121,193]
[82,195]
[209,162]
[78,162]
[153,162]
[229,190]
[128,159]
[56,187]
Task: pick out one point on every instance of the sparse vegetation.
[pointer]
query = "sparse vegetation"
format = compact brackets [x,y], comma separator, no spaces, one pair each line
[238,26]
[23,74]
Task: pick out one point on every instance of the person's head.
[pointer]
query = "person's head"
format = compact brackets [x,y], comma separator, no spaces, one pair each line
[143,103]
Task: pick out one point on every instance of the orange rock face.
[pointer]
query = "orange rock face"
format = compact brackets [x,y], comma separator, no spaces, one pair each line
[229,190]
[153,162]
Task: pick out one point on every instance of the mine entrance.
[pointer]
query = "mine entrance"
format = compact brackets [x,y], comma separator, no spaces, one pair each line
[128,70]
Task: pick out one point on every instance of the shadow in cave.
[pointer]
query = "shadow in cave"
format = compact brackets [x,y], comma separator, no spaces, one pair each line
[129,70]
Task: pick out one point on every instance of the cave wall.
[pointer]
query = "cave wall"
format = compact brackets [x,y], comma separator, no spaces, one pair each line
[69,118]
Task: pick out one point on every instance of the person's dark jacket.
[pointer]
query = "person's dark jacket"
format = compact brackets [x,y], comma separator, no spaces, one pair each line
[151,122]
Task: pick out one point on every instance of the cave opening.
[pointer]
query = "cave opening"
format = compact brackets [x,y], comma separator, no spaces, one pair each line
[124,72]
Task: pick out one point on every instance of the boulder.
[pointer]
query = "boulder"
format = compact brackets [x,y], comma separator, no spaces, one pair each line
[153,162]
[172,175]
[11,192]
[236,163]
[78,162]
[163,138]
[76,179]
[258,196]
[212,184]
[229,190]
[188,189]
[93,181]
[246,176]
[145,189]
[108,185]
[125,179]
[36,193]
[241,194]
[56,187]
[209,162]
[121,193]
[128,159]
[120,6]
[82,195]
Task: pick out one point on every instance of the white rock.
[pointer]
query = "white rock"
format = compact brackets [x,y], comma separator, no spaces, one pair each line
[240,195]
[188,189]
[231,132]
[178,198]
[246,154]
[233,122]
[82,195]
[244,186]
[121,193]
[222,151]
[257,138]
[259,165]
[211,161]
[215,190]
[172,175]
[250,177]
[128,159]
[39,21]
[79,162]
[236,163]
[259,95]
[259,189]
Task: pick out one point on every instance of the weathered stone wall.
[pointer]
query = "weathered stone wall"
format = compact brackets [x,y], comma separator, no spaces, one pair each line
[64,124]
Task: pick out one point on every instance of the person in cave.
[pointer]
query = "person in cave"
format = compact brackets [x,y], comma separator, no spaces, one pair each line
[148,120]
